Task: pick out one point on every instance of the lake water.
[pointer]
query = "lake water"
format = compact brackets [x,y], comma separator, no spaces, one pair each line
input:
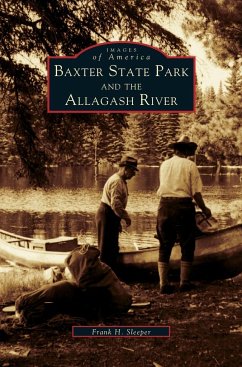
[69,206]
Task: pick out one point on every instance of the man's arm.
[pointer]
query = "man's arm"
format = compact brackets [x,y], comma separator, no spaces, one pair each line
[117,204]
[200,202]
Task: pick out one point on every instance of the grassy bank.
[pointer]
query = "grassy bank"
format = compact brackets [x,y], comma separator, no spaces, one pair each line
[15,282]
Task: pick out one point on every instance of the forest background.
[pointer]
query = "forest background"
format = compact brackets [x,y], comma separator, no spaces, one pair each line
[31,30]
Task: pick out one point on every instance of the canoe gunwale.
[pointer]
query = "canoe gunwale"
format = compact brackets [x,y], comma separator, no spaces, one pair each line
[224,248]
[219,231]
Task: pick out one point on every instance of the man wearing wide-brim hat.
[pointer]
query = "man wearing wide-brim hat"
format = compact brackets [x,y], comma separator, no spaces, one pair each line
[180,183]
[112,211]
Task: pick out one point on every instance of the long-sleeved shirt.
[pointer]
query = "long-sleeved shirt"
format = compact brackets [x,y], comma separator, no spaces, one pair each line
[179,177]
[115,194]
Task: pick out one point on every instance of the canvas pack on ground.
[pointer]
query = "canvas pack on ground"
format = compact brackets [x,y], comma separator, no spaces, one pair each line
[63,297]
[89,272]
[41,304]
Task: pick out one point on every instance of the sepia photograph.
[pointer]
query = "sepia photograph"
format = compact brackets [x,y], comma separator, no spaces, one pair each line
[120,183]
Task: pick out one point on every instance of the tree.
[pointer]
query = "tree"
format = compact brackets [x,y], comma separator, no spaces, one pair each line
[219,134]
[191,124]
[167,130]
[35,28]
[233,96]
[232,101]
[149,135]
[88,142]
[209,102]
[218,24]
[135,144]
[110,142]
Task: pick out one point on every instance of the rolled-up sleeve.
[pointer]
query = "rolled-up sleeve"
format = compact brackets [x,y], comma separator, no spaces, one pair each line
[196,182]
[118,198]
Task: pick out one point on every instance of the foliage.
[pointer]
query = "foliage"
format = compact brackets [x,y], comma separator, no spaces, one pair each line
[218,24]
[149,135]
[34,29]
[103,141]
[30,30]
[167,130]
[135,144]
[233,97]
[216,126]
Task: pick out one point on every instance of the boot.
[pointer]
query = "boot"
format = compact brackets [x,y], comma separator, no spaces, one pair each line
[165,287]
[185,275]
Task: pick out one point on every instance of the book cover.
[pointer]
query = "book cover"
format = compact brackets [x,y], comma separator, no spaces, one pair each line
[84,83]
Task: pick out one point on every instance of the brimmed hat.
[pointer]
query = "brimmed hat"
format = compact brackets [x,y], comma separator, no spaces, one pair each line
[129,162]
[184,143]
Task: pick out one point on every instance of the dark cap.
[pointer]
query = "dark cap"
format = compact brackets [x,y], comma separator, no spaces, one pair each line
[129,162]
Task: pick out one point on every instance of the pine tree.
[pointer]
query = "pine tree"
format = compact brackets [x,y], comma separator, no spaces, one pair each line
[150,134]
[134,139]
[233,97]
[167,129]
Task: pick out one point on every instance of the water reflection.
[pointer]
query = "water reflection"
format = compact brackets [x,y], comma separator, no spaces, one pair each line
[146,179]
[69,207]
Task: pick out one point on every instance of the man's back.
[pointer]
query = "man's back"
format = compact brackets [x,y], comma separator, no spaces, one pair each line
[179,177]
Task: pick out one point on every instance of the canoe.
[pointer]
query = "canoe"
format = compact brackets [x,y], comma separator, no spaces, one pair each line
[218,254]
[35,253]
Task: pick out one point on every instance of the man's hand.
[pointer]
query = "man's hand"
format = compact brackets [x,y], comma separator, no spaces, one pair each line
[128,221]
[207,212]
[200,202]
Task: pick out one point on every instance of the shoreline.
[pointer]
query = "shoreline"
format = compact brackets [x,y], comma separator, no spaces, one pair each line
[205,331]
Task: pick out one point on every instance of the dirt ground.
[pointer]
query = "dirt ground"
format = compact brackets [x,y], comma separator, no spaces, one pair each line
[206,331]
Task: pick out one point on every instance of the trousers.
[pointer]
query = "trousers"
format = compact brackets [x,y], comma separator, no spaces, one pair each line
[176,223]
[108,227]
